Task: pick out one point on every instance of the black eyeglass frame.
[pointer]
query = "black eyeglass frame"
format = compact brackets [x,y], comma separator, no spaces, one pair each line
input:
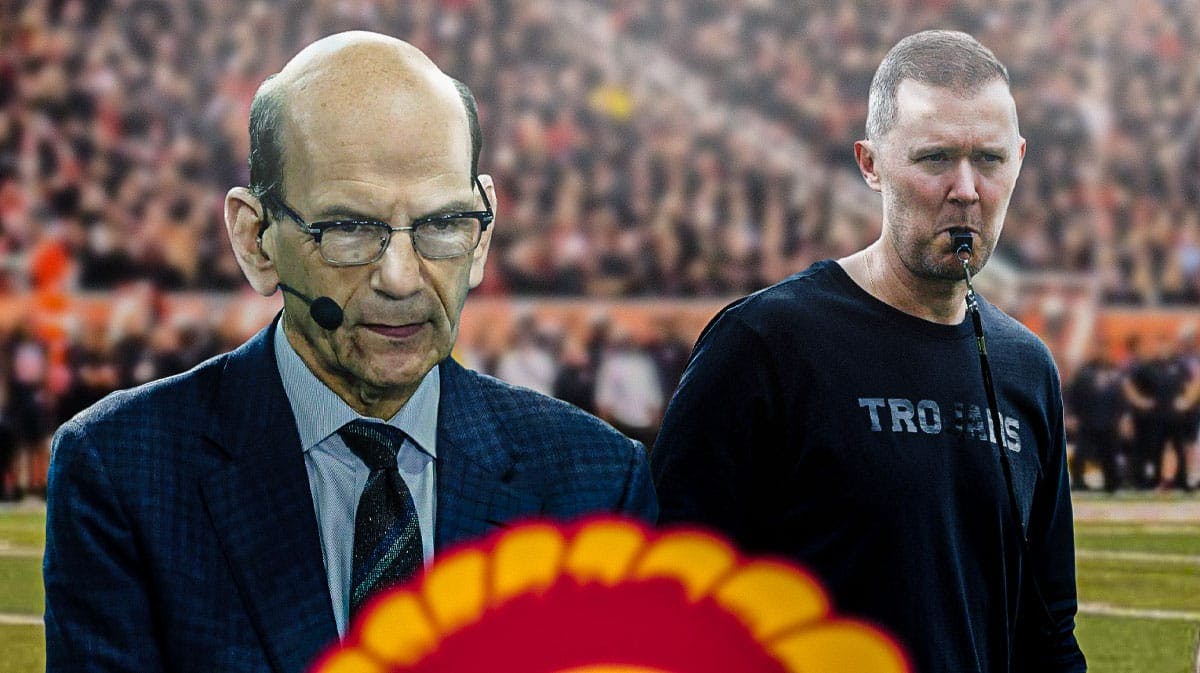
[317,229]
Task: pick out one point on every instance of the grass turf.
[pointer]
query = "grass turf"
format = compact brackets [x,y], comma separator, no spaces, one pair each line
[23,650]
[1125,645]
[1149,538]
[21,585]
[1139,584]
[1112,644]
[22,528]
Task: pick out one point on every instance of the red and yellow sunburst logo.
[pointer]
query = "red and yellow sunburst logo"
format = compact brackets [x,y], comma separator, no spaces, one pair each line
[609,596]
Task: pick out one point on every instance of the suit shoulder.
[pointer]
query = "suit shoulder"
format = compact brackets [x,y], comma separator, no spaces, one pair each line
[174,404]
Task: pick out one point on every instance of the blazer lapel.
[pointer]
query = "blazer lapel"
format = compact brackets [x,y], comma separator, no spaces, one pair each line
[262,510]
[476,465]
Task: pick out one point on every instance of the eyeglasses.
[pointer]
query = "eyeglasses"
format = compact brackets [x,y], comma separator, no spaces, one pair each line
[353,242]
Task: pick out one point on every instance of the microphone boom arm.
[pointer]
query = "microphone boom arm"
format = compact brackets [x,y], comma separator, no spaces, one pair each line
[324,311]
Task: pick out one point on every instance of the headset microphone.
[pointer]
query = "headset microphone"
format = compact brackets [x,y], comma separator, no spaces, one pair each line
[324,311]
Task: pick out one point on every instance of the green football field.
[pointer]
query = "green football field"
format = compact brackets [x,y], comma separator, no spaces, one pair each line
[1138,560]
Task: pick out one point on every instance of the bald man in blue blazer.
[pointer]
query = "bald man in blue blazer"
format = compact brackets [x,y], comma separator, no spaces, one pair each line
[206,522]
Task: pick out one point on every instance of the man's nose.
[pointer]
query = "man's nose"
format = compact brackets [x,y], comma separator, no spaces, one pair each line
[963,190]
[398,273]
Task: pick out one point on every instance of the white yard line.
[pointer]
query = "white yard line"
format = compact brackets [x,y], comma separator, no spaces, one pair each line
[14,551]
[1107,610]
[1137,556]
[1135,528]
[20,620]
[1098,510]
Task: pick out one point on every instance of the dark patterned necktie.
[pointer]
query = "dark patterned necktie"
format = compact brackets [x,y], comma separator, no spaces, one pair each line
[387,535]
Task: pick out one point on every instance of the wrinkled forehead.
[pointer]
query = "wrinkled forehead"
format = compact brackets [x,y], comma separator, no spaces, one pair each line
[918,100]
[384,91]
[364,80]
[989,111]
[396,103]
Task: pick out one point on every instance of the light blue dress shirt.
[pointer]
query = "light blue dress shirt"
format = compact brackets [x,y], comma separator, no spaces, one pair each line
[336,477]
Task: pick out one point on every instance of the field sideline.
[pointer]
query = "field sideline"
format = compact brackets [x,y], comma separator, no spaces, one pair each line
[1138,561]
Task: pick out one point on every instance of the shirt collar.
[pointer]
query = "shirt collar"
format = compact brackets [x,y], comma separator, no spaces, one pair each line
[320,412]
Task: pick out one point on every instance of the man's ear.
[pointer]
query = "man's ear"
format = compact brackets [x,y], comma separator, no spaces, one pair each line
[244,220]
[480,254]
[864,154]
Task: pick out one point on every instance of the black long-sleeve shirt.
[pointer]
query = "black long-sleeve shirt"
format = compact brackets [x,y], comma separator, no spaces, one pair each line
[818,423]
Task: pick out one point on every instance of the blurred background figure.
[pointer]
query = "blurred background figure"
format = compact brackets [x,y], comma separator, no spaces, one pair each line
[529,360]
[95,375]
[670,349]
[629,388]
[1147,390]
[576,380]
[29,413]
[8,443]
[1184,421]
[1096,406]
[1162,389]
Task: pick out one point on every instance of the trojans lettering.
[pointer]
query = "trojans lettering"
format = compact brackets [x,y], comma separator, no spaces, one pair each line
[896,414]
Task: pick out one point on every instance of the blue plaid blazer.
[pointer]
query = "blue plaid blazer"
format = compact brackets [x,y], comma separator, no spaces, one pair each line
[180,528]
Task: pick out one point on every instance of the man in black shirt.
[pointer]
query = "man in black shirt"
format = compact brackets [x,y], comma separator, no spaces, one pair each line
[1186,423]
[1097,404]
[1142,387]
[838,418]
[1164,390]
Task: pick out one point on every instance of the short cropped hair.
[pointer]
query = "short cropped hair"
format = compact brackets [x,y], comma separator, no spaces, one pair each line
[266,138]
[266,141]
[941,58]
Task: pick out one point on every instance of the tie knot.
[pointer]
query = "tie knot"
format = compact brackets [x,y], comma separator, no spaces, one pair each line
[375,443]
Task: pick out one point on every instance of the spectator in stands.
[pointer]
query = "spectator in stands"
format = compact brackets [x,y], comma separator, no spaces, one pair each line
[94,375]
[529,361]
[576,380]
[131,134]
[628,388]
[722,164]
[670,350]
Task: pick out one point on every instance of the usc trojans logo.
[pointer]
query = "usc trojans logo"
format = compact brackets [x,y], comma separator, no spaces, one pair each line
[609,596]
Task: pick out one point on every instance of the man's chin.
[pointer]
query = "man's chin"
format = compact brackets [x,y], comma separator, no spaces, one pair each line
[949,267]
[399,376]
[390,367]
[943,272]
[399,369]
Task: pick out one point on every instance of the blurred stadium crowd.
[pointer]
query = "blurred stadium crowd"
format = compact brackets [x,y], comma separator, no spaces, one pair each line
[641,148]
